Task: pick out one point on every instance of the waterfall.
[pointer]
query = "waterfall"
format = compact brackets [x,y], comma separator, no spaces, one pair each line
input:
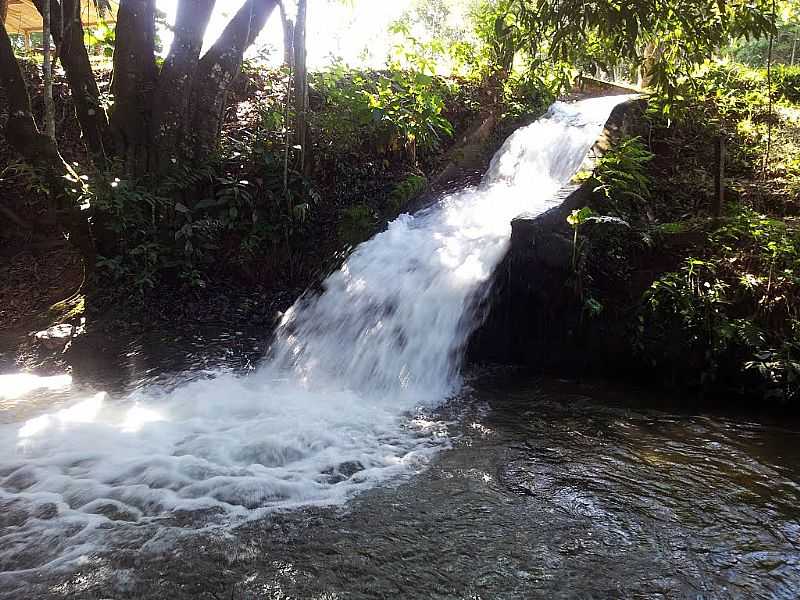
[390,321]
[337,407]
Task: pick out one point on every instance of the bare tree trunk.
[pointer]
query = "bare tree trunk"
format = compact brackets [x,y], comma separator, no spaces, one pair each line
[171,107]
[3,10]
[300,81]
[133,84]
[47,70]
[769,89]
[288,61]
[288,37]
[650,56]
[40,150]
[67,32]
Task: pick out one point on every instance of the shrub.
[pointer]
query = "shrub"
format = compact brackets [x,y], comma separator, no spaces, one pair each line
[621,175]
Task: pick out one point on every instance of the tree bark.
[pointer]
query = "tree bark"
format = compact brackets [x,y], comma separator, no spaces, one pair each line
[288,37]
[47,76]
[171,106]
[651,54]
[133,85]
[41,151]
[218,68]
[3,10]
[300,81]
[68,35]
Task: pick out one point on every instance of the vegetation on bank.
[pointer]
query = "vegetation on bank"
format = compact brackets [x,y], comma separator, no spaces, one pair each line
[723,311]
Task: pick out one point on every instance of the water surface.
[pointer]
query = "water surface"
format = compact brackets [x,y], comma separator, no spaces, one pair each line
[551,490]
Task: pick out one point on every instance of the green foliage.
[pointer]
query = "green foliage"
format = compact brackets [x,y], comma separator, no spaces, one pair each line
[196,218]
[621,174]
[407,106]
[408,189]
[680,33]
[531,92]
[575,219]
[787,82]
[754,52]
[732,100]
[497,26]
[739,302]
[356,224]
[392,109]
[101,39]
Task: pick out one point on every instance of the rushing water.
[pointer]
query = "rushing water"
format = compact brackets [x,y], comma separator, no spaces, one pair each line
[354,392]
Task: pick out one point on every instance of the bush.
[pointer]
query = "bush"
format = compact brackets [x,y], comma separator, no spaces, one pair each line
[738,304]
[787,82]
[357,224]
[393,110]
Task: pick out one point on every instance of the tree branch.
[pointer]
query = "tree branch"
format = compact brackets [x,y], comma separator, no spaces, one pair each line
[92,117]
[220,65]
[171,103]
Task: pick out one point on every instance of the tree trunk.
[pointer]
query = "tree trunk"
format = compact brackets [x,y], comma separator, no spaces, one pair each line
[650,56]
[3,10]
[288,37]
[40,150]
[288,61]
[300,81]
[47,71]
[68,35]
[155,117]
[133,84]
[171,106]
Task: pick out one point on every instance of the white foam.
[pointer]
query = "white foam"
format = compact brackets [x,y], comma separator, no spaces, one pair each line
[332,412]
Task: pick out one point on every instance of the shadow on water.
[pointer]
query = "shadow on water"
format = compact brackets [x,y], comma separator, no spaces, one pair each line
[551,489]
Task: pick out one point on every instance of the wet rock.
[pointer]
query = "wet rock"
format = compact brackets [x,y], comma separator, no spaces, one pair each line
[343,471]
[56,337]
[536,311]
[350,468]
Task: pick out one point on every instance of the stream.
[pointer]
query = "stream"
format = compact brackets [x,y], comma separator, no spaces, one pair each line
[549,489]
[353,455]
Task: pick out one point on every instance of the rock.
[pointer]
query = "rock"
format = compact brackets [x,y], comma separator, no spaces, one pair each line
[56,337]
[554,251]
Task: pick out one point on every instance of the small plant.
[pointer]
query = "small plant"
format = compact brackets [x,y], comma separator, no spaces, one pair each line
[739,302]
[621,174]
[575,219]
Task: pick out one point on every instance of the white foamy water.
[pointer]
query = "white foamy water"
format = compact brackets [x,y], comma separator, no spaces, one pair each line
[334,410]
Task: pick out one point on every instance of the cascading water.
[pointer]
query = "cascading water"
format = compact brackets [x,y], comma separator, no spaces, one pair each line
[333,411]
